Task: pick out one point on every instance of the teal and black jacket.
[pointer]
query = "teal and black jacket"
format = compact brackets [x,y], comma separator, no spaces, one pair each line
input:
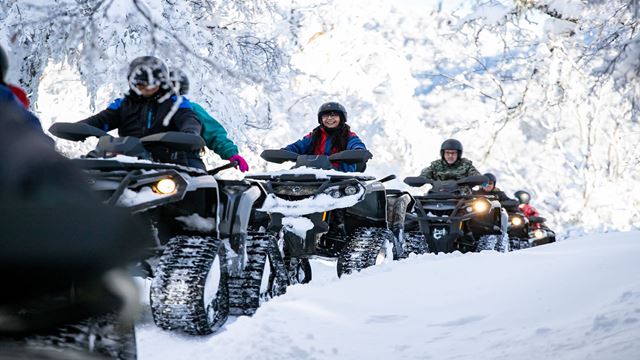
[214,134]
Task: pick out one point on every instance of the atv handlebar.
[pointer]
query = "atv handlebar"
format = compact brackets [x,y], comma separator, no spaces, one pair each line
[223,167]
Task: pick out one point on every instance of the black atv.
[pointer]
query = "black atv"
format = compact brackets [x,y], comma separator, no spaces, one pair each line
[451,218]
[526,232]
[199,222]
[318,211]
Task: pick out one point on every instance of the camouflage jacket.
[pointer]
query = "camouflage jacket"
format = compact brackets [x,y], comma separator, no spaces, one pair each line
[439,170]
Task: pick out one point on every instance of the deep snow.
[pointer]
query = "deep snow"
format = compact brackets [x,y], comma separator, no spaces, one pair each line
[575,299]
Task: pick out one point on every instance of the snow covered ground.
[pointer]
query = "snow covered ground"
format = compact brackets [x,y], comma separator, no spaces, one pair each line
[575,299]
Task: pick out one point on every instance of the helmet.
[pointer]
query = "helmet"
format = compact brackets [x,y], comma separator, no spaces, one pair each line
[147,70]
[451,144]
[522,196]
[4,64]
[491,177]
[333,106]
[180,80]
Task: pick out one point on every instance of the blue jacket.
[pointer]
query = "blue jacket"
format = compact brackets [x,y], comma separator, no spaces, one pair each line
[303,147]
[8,100]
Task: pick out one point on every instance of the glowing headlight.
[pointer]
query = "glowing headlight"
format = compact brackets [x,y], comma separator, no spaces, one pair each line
[539,234]
[350,190]
[480,206]
[165,186]
[516,221]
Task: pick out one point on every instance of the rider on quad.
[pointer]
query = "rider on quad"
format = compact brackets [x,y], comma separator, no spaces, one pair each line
[149,109]
[213,132]
[332,135]
[451,165]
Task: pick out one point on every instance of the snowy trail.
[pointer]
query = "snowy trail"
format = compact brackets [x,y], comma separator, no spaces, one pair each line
[576,299]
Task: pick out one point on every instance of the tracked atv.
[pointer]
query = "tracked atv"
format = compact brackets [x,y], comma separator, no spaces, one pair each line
[200,224]
[318,211]
[450,218]
[525,232]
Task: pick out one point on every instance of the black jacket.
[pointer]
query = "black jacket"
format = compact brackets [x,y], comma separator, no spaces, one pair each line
[137,116]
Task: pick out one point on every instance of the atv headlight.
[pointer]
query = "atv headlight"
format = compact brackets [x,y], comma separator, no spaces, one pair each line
[335,194]
[350,190]
[516,221]
[165,186]
[481,206]
[539,234]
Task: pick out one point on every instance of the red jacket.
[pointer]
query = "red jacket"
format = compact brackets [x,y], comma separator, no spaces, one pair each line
[529,210]
[20,94]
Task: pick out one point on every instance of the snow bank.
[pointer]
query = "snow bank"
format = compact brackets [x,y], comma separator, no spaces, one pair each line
[577,299]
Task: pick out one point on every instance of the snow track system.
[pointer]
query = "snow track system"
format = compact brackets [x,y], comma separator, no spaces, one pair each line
[190,291]
[365,248]
[264,275]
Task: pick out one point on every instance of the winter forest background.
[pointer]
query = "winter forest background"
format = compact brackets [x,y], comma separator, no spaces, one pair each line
[545,94]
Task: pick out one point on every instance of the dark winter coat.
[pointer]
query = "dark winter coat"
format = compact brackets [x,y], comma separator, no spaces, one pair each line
[138,116]
[440,170]
[303,147]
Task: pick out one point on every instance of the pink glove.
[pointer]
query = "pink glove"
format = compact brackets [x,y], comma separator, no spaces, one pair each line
[242,163]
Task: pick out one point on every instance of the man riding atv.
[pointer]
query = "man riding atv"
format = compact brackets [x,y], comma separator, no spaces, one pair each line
[451,165]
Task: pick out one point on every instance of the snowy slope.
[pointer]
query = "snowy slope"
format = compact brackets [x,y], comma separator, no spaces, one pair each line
[576,299]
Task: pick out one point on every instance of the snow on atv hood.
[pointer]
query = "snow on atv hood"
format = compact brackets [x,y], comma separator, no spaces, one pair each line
[319,203]
[319,173]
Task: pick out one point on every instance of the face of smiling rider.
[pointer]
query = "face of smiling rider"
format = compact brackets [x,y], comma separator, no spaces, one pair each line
[331,119]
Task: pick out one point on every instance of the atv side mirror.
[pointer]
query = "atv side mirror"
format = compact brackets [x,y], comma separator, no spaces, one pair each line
[473,180]
[175,140]
[279,156]
[352,156]
[75,131]
[416,181]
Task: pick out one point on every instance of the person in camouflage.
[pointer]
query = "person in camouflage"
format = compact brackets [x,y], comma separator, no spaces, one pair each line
[451,165]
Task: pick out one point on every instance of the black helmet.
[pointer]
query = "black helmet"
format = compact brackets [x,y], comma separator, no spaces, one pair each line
[4,64]
[147,70]
[180,80]
[491,178]
[333,106]
[451,144]
[522,196]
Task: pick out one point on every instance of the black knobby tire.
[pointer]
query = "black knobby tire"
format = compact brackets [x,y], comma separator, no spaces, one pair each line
[497,243]
[363,248]
[416,243]
[181,299]
[246,290]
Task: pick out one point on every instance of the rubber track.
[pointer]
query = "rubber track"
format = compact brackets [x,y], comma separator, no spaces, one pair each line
[177,290]
[245,290]
[415,242]
[362,249]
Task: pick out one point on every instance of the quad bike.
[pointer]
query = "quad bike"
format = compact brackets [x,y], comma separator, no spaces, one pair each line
[318,211]
[525,232]
[202,248]
[450,218]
